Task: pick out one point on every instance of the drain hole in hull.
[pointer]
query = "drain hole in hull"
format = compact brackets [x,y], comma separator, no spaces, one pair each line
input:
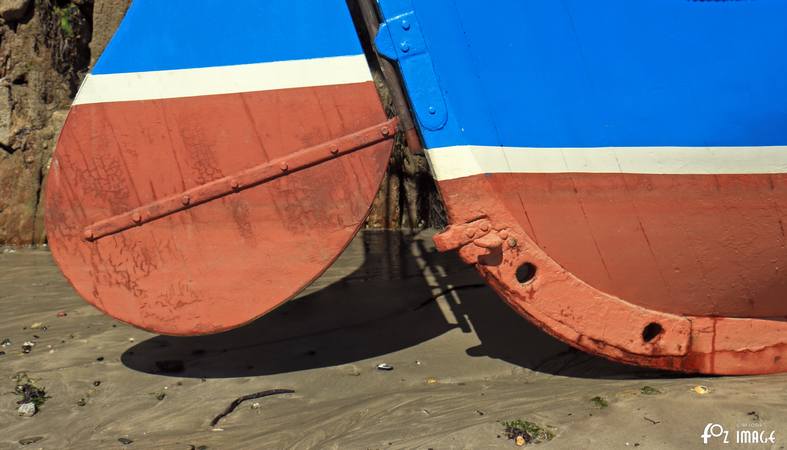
[651,331]
[525,273]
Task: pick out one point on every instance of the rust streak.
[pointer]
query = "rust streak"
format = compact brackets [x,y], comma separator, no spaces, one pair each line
[254,127]
[171,142]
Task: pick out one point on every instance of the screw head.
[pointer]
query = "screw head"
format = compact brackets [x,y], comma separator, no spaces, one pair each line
[136,217]
[185,200]
[234,184]
[432,110]
[334,149]
[284,167]
[89,235]
[404,46]
[405,25]
[385,131]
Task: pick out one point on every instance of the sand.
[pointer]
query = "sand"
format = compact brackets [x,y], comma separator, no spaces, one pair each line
[462,363]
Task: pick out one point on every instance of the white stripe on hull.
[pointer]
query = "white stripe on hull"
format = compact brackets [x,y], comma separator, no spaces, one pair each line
[463,161]
[123,87]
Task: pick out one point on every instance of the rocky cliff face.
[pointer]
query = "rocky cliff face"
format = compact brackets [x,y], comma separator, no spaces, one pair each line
[46,48]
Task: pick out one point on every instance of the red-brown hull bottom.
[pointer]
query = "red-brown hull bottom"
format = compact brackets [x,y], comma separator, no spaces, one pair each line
[220,264]
[673,272]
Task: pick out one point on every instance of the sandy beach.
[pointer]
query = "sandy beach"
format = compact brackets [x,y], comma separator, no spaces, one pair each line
[462,362]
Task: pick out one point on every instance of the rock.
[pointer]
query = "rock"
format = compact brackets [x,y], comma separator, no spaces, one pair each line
[37,326]
[30,440]
[701,390]
[384,366]
[27,347]
[27,409]
[6,342]
[125,441]
[43,64]
[6,109]
[14,10]
[107,15]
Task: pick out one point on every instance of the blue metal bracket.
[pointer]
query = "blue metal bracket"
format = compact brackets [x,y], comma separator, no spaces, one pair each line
[399,39]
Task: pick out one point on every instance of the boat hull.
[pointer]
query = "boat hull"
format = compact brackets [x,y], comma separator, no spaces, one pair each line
[614,169]
[498,239]
[199,182]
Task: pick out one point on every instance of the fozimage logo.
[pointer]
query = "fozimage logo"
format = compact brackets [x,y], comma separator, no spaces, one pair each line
[749,433]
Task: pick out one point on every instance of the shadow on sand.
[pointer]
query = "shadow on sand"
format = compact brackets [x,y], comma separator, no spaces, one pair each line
[383,306]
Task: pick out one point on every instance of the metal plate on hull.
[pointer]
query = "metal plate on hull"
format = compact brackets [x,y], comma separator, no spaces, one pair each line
[201,179]
[634,150]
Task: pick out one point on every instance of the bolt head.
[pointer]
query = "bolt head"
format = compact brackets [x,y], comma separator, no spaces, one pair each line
[432,110]
[405,25]
[284,167]
[385,131]
[334,149]
[136,217]
[89,235]
[512,242]
[234,184]
[185,200]
[503,234]
[404,46]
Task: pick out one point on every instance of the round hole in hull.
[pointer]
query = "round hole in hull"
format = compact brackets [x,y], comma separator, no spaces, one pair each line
[651,331]
[525,273]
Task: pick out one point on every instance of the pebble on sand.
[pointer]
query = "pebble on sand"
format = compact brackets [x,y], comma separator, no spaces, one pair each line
[701,390]
[27,409]
[30,440]
[384,366]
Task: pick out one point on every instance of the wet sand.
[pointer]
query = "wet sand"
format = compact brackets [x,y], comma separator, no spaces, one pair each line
[463,362]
